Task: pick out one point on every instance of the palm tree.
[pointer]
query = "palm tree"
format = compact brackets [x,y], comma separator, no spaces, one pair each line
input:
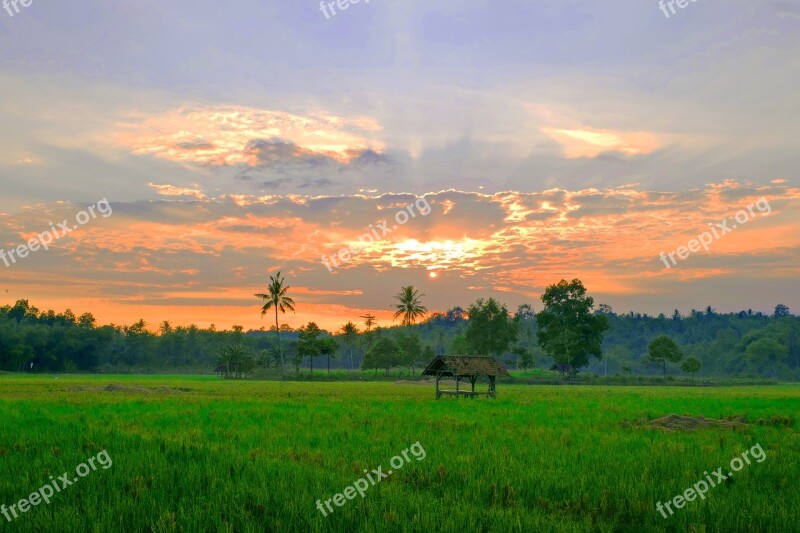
[234,361]
[327,346]
[410,308]
[277,299]
[350,333]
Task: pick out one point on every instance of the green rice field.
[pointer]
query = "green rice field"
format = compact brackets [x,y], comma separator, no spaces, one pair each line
[201,454]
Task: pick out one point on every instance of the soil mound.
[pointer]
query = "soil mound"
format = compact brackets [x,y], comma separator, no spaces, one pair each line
[113,387]
[691,423]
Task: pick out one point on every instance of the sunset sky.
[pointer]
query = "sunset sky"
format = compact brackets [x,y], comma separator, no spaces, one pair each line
[552,139]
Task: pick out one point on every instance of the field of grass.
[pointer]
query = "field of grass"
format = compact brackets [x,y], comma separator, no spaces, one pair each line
[200,454]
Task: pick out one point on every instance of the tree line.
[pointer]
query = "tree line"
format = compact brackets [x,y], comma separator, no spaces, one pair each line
[568,334]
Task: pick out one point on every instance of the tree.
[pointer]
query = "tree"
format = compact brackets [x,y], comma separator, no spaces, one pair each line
[523,359]
[490,329]
[428,354]
[459,346]
[691,365]
[410,350]
[277,299]
[766,354]
[327,347]
[781,311]
[235,361]
[663,349]
[455,316]
[605,309]
[383,354]
[526,312]
[165,328]
[350,334]
[87,321]
[410,307]
[569,330]
[308,344]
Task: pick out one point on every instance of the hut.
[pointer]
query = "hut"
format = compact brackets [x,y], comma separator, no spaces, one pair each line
[461,367]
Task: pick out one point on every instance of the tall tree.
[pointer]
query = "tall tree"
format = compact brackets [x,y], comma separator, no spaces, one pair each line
[327,347]
[410,350]
[277,299]
[569,331]
[308,343]
[663,349]
[350,334]
[491,329]
[410,306]
[384,354]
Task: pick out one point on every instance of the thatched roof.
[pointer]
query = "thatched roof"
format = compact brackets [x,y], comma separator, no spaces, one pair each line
[465,366]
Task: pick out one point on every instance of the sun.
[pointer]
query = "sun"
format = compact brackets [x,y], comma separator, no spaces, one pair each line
[433,275]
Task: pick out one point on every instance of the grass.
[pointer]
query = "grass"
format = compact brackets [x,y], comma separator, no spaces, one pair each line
[255,456]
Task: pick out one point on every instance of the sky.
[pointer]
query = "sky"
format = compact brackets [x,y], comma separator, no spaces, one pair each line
[534,141]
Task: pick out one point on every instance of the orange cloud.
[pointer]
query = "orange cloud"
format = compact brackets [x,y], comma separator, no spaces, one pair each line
[204,260]
[224,135]
[587,142]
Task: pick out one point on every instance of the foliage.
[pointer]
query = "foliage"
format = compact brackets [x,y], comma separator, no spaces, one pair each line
[662,349]
[327,347]
[410,307]
[308,345]
[490,330]
[65,342]
[277,299]
[235,361]
[568,330]
[350,336]
[384,354]
[691,365]
[410,349]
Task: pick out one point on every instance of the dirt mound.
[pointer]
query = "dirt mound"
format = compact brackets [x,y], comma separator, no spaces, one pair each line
[777,420]
[167,390]
[690,423]
[113,387]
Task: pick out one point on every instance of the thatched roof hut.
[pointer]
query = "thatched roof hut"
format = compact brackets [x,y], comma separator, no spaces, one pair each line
[460,367]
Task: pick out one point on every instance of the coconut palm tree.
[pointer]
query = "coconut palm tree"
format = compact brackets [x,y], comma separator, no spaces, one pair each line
[350,333]
[278,300]
[410,307]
